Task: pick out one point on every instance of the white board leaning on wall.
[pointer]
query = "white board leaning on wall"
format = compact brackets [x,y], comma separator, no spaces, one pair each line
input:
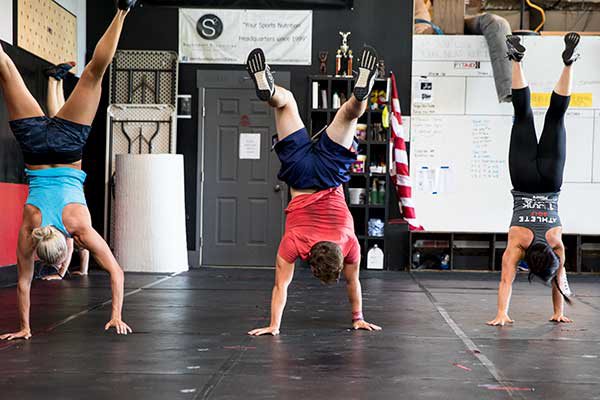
[460,134]
[6,21]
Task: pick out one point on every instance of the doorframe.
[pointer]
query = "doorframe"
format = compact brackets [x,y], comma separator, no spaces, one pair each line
[211,79]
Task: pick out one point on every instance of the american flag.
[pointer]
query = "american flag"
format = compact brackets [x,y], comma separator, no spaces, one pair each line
[401,172]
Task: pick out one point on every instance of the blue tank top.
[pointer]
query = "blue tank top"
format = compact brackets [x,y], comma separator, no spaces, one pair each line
[51,189]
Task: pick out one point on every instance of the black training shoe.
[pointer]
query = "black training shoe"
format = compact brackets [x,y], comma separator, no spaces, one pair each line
[126,4]
[569,56]
[516,51]
[259,71]
[59,72]
[367,73]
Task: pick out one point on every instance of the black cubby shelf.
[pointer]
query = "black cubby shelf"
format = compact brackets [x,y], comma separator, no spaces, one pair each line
[374,147]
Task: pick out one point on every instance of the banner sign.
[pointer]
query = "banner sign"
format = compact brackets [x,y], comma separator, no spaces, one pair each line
[209,36]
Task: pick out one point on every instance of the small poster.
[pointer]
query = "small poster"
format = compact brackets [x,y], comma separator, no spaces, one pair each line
[226,36]
[435,180]
[250,146]
[184,106]
[426,180]
[424,91]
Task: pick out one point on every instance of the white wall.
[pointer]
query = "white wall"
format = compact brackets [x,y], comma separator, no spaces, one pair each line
[6,20]
[77,7]
[460,135]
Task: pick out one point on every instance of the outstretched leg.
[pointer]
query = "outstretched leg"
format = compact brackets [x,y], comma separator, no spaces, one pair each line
[552,149]
[564,85]
[523,140]
[52,97]
[60,94]
[56,95]
[19,101]
[287,116]
[343,128]
[83,103]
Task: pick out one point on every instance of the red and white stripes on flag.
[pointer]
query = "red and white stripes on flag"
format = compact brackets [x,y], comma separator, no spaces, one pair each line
[401,172]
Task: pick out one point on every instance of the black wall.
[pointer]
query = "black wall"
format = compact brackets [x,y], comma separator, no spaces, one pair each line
[385,24]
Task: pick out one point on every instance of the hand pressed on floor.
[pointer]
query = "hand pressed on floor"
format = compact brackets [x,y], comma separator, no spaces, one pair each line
[121,327]
[500,320]
[22,334]
[269,330]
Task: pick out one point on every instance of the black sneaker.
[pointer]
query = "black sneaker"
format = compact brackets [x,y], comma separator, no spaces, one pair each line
[260,73]
[59,72]
[126,5]
[367,73]
[516,51]
[569,56]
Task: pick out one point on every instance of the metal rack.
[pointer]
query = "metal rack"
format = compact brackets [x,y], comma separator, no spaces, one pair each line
[144,77]
[142,113]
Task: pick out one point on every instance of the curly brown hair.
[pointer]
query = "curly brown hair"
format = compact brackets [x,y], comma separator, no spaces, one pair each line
[326,262]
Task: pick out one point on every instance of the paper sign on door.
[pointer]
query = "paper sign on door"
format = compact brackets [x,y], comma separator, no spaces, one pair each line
[250,146]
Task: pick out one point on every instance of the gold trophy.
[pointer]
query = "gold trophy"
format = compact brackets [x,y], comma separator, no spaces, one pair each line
[381,68]
[343,58]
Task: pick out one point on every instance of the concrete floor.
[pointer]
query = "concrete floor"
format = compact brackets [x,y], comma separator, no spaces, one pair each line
[190,341]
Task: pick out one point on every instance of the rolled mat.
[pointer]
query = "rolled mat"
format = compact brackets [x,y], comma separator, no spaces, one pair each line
[150,232]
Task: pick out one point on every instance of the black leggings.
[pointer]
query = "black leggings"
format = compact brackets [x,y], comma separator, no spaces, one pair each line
[537,167]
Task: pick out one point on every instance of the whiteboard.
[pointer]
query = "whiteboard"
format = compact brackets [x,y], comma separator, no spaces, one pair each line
[6,21]
[596,166]
[460,138]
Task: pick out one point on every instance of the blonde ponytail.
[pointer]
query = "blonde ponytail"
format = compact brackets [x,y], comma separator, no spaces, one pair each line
[51,245]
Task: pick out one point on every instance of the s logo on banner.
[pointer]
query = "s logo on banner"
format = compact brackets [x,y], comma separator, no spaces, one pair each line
[209,27]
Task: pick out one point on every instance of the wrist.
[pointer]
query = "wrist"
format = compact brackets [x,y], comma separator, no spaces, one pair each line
[357,316]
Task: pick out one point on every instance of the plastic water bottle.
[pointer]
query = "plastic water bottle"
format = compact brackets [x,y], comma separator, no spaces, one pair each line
[375,258]
[416,259]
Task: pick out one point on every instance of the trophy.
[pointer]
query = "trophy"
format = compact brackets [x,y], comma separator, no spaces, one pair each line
[381,68]
[323,59]
[343,57]
[349,63]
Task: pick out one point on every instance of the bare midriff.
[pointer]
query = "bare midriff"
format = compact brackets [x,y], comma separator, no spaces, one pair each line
[300,192]
[75,165]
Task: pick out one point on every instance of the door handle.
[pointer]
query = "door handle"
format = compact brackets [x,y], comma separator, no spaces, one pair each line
[277,188]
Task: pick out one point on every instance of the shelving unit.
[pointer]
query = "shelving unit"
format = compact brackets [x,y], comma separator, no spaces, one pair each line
[377,151]
[483,251]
